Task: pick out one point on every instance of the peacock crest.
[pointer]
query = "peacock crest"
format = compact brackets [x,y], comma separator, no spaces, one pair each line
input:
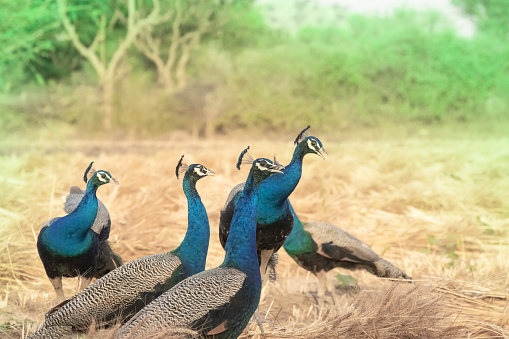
[302,135]
[182,167]
[245,158]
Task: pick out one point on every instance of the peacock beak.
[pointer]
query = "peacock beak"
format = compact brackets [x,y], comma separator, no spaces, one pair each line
[276,162]
[114,181]
[323,153]
[276,168]
[211,173]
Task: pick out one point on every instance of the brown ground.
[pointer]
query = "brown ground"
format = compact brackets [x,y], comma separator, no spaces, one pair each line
[438,209]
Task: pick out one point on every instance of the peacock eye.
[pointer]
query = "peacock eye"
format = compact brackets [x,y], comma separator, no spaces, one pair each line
[263,163]
[313,142]
[103,175]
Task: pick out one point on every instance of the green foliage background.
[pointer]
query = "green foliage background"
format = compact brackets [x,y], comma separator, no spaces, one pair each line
[366,70]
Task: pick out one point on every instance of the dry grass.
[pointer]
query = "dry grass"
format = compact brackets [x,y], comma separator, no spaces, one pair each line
[437,209]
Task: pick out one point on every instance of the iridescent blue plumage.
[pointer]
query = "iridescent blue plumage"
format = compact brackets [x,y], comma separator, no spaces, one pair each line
[274,192]
[219,302]
[299,240]
[123,292]
[192,251]
[68,247]
[241,251]
[319,247]
[273,216]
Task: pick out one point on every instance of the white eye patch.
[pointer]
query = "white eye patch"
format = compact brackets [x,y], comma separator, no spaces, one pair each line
[310,144]
[260,167]
[201,171]
[106,178]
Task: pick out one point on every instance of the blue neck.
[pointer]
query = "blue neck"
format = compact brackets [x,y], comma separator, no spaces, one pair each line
[276,189]
[193,249]
[299,240]
[72,233]
[240,247]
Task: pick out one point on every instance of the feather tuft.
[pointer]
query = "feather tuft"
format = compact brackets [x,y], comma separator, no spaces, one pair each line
[302,135]
[182,166]
[245,158]
[85,178]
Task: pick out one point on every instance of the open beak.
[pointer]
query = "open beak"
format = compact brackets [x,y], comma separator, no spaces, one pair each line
[210,173]
[114,181]
[322,152]
[276,168]
[276,162]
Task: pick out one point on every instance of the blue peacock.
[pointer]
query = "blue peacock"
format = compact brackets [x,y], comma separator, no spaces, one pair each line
[274,218]
[219,302]
[102,223]
[69,247]
[319,247]
[120,294]
[101,226]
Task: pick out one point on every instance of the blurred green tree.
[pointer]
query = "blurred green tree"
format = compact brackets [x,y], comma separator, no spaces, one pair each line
[109,44]
[170,43]
[28,38]
[491,16]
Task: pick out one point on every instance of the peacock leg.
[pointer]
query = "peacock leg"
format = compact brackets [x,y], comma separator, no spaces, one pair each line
[259,321]
[265,256]
[57,285]
[83,282]
[322,283]
[330,285]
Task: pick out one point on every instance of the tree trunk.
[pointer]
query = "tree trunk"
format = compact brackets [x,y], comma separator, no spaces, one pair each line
[180,71]
[211,110]
[107,104]
[166,80]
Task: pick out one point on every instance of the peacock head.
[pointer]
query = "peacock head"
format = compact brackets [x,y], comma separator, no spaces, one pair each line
[310,144]
[98,178]
[194,171]
[261,168]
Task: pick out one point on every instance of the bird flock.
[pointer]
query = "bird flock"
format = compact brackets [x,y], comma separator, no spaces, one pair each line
[171,293]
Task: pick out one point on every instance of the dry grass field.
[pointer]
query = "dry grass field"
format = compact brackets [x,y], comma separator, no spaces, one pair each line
[436,207]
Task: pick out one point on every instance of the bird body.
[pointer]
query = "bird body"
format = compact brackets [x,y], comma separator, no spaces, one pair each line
[318,247]
[219,302]
[67,245]
[112,297]
[102,222]
[274,192]
[213,303]
[61,259]
[108,260]
[120,294]
[70,235]
[273,216]
[274,219]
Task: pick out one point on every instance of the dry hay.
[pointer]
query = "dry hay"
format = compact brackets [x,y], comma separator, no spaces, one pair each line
[395,311]
[437,209]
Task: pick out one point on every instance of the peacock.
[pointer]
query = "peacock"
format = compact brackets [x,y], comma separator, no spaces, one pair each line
[101,226]
[120,294]
[216,303]
[319,247]
[273,216]
[102,222]
[68,247]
